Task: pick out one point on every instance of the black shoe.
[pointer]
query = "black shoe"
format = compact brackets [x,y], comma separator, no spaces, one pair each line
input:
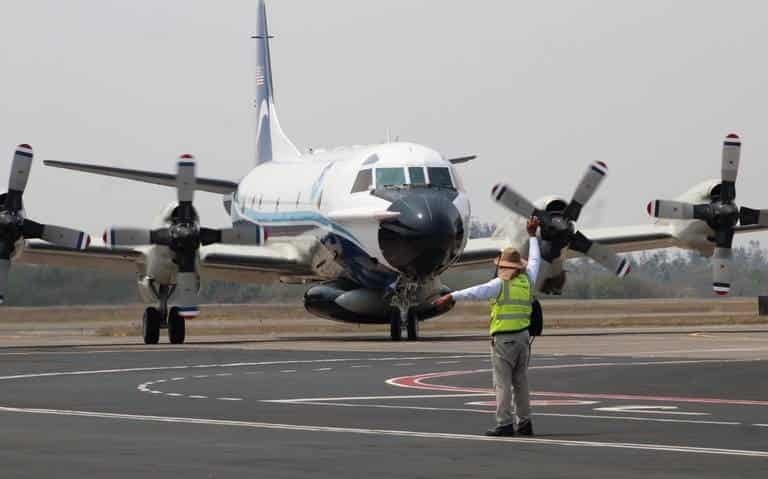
[508,430]
[525,428]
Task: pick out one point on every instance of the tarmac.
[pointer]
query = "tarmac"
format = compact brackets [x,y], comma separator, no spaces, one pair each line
[672,402]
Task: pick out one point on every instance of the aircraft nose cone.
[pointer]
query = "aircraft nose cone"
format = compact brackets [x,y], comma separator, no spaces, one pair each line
[426,237]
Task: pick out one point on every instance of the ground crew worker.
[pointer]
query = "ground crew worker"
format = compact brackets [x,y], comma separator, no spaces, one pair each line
[511,293]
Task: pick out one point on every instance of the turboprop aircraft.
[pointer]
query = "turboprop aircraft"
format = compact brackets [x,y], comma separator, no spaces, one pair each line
[371,227]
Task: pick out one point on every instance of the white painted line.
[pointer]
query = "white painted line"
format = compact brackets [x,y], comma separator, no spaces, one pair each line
[224,374]
[200,376]
[177,379]
[228,365]
[447,362]
[488,411]
[530,441]
[173,394]
[156,392]
[644,409]
[402,364]
[369,398]
[288,371]
[196,396]
[361,366]
[230,399]
[159,381]
[322,369]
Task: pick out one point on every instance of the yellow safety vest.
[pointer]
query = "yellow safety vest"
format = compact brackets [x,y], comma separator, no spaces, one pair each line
[511,310]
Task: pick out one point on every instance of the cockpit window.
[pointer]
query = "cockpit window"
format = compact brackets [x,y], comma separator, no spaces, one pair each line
[417,175]
[363,181]
[390,177]
[440,176]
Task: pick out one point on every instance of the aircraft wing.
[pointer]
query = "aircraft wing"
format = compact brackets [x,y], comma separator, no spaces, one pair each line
[248,264]
[623,239]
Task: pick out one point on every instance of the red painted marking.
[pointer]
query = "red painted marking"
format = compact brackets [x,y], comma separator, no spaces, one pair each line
[24,145]
[419,382]
[721,293]
[186,156]
[733,135]
[649,208]
[602,164]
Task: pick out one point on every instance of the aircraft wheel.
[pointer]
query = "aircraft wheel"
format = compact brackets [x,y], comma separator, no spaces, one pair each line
[413,326]
[395,331]
[150,325]
[176,327]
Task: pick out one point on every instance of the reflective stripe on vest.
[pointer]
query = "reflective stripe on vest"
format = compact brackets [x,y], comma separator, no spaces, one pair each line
[511,310]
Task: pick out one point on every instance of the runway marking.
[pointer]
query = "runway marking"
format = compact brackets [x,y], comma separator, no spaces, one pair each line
[230,399]
[368,398]
[418,382]
[531,441]
[200,376]
[401,364]
[322,369]
[229,365]
[177,379]
[361,366]
[447,362]
[288,371]
[651,410]
[197,396]
[173,394]
[224,374]
[96,351]
[488,411]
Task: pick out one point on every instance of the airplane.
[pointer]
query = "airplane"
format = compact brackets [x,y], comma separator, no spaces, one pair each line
[369,228]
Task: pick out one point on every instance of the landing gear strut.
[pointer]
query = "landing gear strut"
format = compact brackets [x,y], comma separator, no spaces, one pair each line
[404,318]
[162,317]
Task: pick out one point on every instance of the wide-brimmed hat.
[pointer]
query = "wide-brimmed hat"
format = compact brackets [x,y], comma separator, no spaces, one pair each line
[510,258]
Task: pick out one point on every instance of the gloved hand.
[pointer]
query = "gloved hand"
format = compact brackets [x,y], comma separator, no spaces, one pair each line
[444,303]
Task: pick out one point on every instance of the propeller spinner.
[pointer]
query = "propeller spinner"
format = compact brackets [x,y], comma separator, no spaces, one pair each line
[558,229]
[721,214]
[184,236]
[15,226]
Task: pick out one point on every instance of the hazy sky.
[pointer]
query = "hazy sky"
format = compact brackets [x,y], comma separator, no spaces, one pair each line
[536,89]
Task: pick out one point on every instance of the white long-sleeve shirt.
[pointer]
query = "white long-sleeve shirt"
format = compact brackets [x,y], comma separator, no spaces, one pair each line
[492,288]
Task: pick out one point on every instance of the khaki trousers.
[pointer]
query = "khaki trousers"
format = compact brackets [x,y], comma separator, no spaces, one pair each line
[509,356]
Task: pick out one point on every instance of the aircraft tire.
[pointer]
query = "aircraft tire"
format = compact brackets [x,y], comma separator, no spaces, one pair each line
[395,332]
[176,327]
[412,327]
[150,325]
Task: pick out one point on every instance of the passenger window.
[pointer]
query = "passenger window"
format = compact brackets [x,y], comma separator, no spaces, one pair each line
[390,177]
[417,175]
[440,177]
[363,181]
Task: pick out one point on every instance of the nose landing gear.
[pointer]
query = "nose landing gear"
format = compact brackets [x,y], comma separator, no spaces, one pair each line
[404,317]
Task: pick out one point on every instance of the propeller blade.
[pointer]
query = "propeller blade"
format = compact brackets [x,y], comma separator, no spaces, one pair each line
[586,189]
[513,201]
[673,210]
[721,270]
[5,268]
[748,216]
[244,234]
[119,236]
[601,254]
[730,167]
[185,296]
[17,181]
[58,235]
[185,178]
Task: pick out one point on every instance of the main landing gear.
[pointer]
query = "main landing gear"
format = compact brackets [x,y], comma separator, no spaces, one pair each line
[156,319]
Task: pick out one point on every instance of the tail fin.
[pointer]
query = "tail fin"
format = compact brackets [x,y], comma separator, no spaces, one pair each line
[271,142]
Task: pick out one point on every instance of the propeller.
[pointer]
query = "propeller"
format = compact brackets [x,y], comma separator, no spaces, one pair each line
[558,229]
[15,226]
[184,236]
[721,214]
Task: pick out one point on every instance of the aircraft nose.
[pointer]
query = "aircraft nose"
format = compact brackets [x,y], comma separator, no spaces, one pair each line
[425,237]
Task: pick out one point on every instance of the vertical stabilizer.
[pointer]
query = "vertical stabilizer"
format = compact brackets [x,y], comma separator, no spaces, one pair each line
[271,142]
